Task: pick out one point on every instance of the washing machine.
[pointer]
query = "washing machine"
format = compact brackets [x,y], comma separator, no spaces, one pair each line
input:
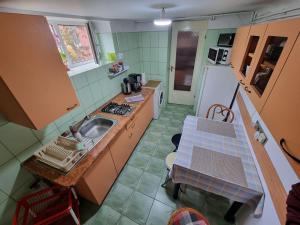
[158,98]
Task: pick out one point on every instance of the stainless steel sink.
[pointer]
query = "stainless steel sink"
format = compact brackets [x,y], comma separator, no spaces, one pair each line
[96,127]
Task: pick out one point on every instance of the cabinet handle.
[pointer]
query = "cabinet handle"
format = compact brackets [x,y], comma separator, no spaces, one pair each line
[171,68]
[72,107]
[231,65]
[241,82]
[133,125]
[247,89]
[130,135]
[282,143]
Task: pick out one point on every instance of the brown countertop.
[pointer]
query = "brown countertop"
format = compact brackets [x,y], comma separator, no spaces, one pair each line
[70,179]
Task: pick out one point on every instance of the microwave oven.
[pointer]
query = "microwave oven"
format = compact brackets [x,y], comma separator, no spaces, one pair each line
[226,40]
[219,55]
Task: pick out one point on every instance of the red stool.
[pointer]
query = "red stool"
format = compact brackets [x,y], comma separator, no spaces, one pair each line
[48,206]
[186,216]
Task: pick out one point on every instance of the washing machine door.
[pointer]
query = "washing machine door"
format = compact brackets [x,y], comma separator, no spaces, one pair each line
[161,98]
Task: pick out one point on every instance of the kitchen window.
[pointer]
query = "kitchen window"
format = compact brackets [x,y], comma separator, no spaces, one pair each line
[75,45]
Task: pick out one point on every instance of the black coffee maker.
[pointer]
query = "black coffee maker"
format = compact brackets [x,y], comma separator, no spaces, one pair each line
[135,82]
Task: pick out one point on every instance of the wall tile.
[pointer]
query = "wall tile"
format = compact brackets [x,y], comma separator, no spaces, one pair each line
[154,54]
[163,55]
[85,97]
[29,152]
[96,91]
[80,81]
[16,138]
[154,39]
[66,118]
[163,39]
[5,155]
[154,68]
[147,54]
[146,39]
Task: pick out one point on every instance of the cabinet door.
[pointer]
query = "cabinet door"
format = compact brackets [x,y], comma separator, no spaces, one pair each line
[277,44]
[98,180]
[141,121]
[121,148]
[282,109]
[238,49]
[253,43]
[35,88]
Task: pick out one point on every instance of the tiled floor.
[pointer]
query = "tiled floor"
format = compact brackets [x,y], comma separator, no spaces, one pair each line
[137,197]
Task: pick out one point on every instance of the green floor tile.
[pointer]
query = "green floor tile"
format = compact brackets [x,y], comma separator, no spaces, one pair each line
[130,176]
[166,196]
[159,214]
[118,197]
[139,208]
[149,184]
[126,221]
[107,216]
[139,160]
[156,167]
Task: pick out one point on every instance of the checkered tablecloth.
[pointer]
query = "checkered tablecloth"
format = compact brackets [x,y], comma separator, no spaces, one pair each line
[252,193]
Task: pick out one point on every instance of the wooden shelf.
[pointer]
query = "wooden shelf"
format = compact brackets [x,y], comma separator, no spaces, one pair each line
[267,64]
[251,55]
[112,75]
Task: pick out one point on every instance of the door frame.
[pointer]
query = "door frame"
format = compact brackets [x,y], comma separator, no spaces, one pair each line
[186,97]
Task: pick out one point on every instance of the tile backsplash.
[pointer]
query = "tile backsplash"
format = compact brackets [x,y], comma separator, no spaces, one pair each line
[143,51]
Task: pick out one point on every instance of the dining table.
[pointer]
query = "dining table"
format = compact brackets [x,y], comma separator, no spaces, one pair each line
[215,157]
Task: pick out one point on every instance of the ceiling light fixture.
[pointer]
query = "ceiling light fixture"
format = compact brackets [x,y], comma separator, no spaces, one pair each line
[162,21]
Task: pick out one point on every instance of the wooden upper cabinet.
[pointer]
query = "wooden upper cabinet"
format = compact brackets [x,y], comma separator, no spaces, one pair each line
[272,54]
[35,88]
[238,49]
[282,109]
[252,45]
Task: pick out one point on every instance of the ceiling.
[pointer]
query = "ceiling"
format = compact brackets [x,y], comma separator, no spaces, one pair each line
[137,9]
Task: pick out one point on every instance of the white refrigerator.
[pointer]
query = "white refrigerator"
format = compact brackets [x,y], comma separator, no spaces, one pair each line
[218,87]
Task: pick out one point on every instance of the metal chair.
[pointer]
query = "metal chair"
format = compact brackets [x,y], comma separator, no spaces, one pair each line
[220,112]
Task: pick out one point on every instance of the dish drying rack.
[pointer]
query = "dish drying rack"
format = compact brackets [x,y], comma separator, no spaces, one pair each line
[62,153]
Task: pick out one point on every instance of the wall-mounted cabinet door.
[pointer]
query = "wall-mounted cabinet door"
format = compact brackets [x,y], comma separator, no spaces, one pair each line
[253,43]
[277,43]
[238,50]
[282,109]
[35,88]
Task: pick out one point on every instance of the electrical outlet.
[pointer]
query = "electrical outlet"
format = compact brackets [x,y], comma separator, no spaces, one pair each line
[259,134]
[262,138]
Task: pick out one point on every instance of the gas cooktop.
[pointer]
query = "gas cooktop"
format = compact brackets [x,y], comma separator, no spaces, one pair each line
[115,108]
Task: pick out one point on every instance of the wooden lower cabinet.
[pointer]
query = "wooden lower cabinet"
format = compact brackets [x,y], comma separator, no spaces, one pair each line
[121,148]
[141,121]
[97,181]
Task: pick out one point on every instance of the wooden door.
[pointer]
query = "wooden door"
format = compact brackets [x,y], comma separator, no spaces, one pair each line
[276,46]
[121,148]
[238,50]
[35,87]
[185,59]
[98,180]
[282,109]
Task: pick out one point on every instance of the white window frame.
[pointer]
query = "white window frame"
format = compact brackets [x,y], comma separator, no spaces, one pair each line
[78,67]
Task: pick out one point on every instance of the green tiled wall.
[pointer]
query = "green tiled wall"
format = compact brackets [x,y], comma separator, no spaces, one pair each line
[17,143]
[154,50]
